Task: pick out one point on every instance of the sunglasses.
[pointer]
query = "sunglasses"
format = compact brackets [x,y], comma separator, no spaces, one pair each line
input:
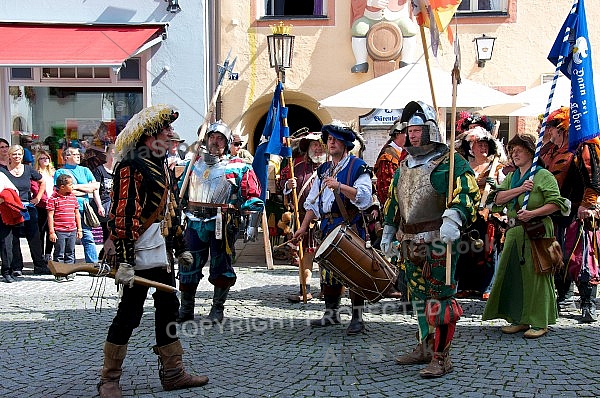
[237,144]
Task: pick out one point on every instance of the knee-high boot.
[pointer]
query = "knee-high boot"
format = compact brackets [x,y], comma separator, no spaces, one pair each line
[172,373]
[218,305]
[109,387]
[186,309]
[331,316]
[356,324]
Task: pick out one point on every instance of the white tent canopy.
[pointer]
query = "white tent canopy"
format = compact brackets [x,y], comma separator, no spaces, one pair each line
[411,83]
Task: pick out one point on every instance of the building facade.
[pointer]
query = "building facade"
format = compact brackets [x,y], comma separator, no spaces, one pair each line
[78,70]
[323,56]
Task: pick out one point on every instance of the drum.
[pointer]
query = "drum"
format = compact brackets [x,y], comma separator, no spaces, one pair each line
[362,269]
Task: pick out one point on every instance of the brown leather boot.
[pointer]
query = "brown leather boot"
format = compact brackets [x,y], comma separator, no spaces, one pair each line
[420,355]
[109,387]
[439,365]
[172,374]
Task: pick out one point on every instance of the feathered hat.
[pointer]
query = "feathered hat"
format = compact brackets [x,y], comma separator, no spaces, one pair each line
[149,121]
[559,118]
[466,119]
[478,133]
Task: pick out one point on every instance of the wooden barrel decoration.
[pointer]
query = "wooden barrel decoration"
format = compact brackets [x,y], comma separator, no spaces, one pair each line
[384,41]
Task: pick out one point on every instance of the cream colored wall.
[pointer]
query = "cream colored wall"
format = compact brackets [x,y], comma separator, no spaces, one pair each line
[323,57]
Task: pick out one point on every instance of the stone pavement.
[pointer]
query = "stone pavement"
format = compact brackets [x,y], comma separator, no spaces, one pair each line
[52,335]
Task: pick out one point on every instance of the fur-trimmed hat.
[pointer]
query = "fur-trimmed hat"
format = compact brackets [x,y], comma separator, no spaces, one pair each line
[339,132]
[559,118]
[478,133]
[525,140]
[149,121]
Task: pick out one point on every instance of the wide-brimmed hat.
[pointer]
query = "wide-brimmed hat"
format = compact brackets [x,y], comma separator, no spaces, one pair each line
[176,137]
[149,121]
[306,140]
[525,140]
[341,133]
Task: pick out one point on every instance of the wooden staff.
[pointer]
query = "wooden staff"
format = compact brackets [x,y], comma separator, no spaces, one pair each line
[426,54]
[455,81]
[287,142]
[62,269]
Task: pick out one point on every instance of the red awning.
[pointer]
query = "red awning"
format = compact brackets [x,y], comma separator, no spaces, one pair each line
[74,45]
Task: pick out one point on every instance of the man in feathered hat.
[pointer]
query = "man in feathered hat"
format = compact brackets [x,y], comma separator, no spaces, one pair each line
[421,216]
[305,171]
[141,190]
[344,179]
[221,188]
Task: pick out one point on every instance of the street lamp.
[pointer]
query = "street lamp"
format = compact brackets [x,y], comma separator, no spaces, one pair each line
[484,47]
[281,48]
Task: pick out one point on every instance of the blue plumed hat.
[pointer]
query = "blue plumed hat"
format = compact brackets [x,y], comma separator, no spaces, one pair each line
[342,133]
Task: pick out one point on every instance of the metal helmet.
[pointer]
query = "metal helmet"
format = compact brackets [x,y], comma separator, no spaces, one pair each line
[418,113]
[221,128]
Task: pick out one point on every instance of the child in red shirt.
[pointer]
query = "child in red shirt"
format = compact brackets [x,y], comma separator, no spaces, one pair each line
[64,221]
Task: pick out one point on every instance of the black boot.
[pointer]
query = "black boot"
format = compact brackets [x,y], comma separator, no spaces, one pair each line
[186,309]
[356,324]
[588,307]
[331,316]
[218,306]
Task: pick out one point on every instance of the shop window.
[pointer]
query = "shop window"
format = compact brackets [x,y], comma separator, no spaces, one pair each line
[295,8]
[482,6]
[75,73]
[21,73]
[130,70]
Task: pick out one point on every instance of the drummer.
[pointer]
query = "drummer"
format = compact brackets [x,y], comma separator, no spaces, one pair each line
[421,216]
[340,192]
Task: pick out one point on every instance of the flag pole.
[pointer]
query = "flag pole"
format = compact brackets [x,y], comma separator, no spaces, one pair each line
[559,64]
[296,210]
[426,54]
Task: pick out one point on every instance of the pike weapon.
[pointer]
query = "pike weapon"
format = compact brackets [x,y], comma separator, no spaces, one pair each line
[226,68]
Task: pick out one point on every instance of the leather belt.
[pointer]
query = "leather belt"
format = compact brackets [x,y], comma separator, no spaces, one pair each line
[331,216]
[207,210]
[419,227]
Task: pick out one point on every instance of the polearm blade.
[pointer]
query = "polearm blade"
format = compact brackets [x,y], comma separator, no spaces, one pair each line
[222,70]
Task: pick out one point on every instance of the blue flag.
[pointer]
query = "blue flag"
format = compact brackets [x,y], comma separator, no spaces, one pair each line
[577,53]
[271,142]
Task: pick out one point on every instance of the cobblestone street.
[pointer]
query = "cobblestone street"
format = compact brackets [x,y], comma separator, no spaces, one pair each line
[52,335]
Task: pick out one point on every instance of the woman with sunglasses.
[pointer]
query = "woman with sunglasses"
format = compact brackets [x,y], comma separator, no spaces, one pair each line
[43,164]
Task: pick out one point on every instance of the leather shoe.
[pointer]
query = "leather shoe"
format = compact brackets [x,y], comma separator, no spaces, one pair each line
[16,274]
[8,278]
[512,329]
[295,298]
[41,271]
[534,333]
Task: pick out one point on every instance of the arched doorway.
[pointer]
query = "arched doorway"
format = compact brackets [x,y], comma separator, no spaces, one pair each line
[298,117]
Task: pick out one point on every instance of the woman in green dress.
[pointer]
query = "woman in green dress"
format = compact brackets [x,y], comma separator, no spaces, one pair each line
[519,295]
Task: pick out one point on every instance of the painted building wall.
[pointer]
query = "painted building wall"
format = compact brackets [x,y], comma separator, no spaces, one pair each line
[323,56]
[178,74]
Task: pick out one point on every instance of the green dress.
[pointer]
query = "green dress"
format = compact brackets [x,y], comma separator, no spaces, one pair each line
[519,295]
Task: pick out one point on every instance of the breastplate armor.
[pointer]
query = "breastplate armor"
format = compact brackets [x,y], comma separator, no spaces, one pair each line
[208,183]
[418,201]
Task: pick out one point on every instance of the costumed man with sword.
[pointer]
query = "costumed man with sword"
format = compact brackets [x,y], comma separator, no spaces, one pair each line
[139,215]
[222,190]
[340,192]
[425,221]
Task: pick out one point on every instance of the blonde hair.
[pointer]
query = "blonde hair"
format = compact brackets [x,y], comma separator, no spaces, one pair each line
[36,163]
[12,150]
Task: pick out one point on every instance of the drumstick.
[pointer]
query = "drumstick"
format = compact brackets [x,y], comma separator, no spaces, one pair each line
[333,175]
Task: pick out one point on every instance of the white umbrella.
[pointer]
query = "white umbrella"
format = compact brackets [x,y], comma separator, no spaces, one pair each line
[533,102]
[411,83]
